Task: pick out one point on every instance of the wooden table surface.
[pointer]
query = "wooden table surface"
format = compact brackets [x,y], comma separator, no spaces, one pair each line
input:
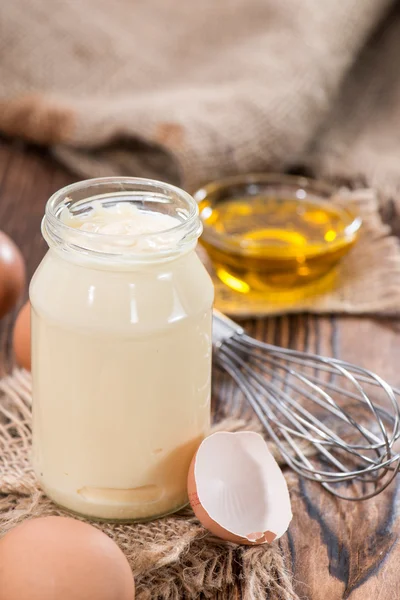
[335,549]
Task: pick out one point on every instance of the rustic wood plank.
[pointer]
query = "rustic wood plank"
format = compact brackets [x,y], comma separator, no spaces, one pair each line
[338,549]
[335,549]
[341,549]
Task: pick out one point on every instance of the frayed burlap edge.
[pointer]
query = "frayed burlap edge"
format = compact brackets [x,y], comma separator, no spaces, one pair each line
[367,280]
[172,558]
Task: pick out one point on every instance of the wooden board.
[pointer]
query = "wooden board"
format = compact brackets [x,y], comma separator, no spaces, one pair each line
[334,549]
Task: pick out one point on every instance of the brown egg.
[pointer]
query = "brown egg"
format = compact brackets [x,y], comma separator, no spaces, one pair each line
[57,558]
[237,489]
[12,274]
[22,337]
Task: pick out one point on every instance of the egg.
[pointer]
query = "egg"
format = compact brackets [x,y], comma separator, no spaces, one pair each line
[12,274]
[22,337]
[237,489]
[58,558]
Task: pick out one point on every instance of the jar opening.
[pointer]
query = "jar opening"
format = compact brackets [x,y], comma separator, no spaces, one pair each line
[129,218]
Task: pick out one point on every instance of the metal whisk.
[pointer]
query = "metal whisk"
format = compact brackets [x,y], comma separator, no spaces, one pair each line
[333,422]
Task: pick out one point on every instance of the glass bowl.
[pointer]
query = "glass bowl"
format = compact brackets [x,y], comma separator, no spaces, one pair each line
[274,232]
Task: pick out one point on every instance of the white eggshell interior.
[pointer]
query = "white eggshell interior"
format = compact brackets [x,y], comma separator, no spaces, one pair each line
[241,486]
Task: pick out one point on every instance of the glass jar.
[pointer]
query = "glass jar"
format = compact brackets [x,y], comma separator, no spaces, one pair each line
[121,353]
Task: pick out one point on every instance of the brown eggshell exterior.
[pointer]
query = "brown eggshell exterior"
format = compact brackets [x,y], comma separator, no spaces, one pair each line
[12,274]
[211,525]
[65,559]
[22,337]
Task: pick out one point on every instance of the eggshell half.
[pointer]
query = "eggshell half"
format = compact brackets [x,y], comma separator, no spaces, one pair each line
[237,489]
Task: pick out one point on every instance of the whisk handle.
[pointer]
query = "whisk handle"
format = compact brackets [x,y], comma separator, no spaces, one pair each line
[223,329]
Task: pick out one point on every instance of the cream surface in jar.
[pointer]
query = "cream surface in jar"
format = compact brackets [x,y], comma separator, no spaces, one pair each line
[121,349]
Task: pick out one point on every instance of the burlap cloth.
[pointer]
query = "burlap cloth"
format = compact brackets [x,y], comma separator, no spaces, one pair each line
[189,92]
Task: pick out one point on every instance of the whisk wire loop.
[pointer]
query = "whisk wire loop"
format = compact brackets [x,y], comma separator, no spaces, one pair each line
[321,413]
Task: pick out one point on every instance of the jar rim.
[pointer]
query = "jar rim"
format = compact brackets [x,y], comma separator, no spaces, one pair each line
[56,231]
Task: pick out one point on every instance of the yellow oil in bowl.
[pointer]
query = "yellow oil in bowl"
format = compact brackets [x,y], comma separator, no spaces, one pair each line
[274,233]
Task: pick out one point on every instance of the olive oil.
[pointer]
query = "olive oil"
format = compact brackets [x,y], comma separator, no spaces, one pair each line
[275,243]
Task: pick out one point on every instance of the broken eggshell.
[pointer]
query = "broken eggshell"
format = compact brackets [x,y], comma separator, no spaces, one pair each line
[237,489]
